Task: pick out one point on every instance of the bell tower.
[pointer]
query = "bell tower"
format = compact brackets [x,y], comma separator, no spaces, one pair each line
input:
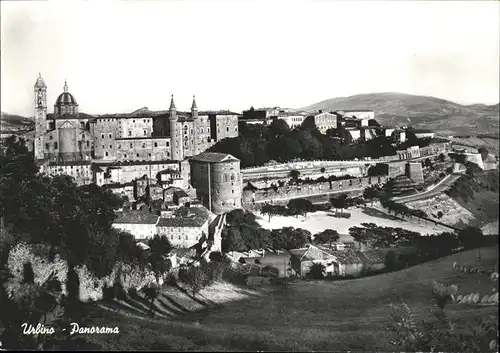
[40,90]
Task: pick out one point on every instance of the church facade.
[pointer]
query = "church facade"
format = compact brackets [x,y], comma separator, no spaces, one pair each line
[69,136]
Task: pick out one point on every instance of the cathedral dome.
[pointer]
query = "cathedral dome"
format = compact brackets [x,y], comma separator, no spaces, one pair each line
[66,98]
[66,103]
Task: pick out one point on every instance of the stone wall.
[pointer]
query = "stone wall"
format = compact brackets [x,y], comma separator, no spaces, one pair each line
[288,192]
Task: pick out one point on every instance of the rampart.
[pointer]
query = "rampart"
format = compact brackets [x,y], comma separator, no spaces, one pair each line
[356,168]
[288,192]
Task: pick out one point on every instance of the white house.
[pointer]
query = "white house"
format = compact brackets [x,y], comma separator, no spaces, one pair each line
[141,224]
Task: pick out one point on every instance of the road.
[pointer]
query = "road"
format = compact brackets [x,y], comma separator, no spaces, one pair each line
[443,186]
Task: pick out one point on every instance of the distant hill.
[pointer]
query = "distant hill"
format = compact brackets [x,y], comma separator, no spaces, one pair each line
[440,115]
[10,123]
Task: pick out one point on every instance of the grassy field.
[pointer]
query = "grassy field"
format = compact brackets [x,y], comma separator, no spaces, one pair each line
[334,316]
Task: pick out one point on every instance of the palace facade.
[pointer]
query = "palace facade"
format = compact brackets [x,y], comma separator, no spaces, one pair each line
[68,135]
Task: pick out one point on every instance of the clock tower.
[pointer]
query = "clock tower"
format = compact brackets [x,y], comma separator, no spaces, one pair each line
[40,90]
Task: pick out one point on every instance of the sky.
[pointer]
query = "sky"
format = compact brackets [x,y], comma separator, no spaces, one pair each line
[119,56]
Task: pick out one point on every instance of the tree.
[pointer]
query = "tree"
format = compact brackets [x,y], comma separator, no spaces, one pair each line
[195,279]
[370,193]
[359,234]
[267,209]
[472,237]
[390,260]
[317,270]
[484,153]
[328,236]
[152,292]
[339,201]
[301,205]
[294,174]
[440,214]
[442,158]
[216,256]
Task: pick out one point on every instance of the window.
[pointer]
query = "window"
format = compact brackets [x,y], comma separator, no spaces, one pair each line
[130,133]
[143,145]
[232,191]
[226,179]
[125,155]
[185,130]
[55,145]
[167,144]
[50,137]
[232,177]
[137,154]
[235,128]
[149,154]
[119,146]
[168,154]
[88,143]
[109,135]
[131,145]
[103,146]
[110,146]
[156,144]
[227,129]
[145,132]
[133,121]
[106,154]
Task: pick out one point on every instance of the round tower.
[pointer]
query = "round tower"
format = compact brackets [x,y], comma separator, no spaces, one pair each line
[227,185]
[175,134]
[40,90]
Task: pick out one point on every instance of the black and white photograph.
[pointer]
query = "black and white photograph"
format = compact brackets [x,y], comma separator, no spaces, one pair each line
[249,175]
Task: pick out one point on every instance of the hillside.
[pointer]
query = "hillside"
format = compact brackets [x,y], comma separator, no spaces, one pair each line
[306,316]
[440,115]
[11,123]
[479,195]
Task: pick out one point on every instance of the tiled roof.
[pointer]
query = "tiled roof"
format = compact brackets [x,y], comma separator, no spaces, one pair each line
[198,216]
[70,163]
[124,163]
[213,157]
[118,185]
[80,115]
[137,217]
[374,256]
[346,257]
[180,193]
[218,112]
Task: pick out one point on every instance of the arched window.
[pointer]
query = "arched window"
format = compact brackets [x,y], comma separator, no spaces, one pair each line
[185,130]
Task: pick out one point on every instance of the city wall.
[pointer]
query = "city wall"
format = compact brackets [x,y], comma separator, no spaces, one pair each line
[288,192]
[358,168]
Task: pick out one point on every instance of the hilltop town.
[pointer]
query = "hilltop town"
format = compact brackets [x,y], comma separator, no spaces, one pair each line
[135,206]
